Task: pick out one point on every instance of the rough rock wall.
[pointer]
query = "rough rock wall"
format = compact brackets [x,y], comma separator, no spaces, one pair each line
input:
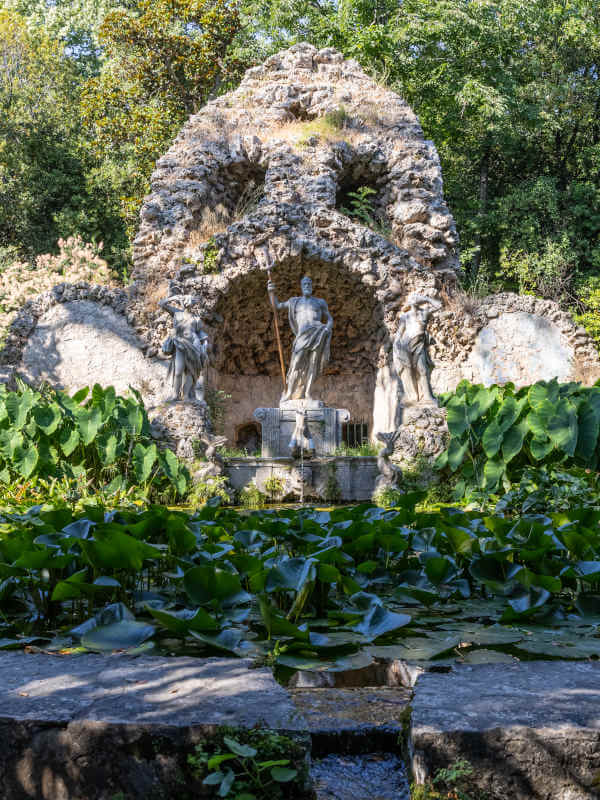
[302,131]
[509,337]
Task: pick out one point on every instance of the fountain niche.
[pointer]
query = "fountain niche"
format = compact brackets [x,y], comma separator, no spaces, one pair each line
[276,167]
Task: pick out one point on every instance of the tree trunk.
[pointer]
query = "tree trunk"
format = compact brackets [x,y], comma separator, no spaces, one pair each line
[484,168]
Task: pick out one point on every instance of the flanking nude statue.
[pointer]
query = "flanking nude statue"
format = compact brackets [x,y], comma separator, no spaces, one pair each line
[188,347]
[411,358]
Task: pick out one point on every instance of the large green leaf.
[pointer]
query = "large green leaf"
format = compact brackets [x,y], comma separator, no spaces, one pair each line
[47,417]
[540,447]
[588,429]
[293,574]
[18,406]
[68,439]
[89,422]
[509,412]
[143,459]
[25,459]
[106,444]
[562,427]
[208,584]
[123,635]
[111,548]
[379,620]
[481,402]
[457,419]
[538,419]
[492,438]
[512,443]
[493,471]
[456,453]
[543,393]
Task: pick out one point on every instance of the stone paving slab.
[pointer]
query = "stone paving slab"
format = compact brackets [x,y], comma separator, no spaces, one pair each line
[531,730]
[87,727]
[353,720]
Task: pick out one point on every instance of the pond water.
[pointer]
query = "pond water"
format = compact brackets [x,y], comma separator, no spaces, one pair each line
[373,776]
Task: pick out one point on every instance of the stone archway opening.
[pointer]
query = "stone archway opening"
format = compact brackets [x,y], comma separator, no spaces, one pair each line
[362,176]
[246,362]
[235,191]
[248,437]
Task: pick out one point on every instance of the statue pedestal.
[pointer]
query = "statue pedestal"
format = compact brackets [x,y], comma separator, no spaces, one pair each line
[278,424]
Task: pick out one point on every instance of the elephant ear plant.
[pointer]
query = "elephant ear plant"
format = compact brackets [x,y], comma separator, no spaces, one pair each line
[95,435]
[497,431]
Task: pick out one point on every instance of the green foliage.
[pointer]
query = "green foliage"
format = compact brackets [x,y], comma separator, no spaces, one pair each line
[587,290]
[274,487]
[369,449]
[97,435]
[162,60]
[203,491]
[541,491]
[495,431]
[252,497]
[241,771]
[210,265]
[388,497]
[335,589]
[447,784]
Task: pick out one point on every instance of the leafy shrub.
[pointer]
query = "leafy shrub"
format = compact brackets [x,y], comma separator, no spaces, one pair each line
[274,487]
[252,497]
[248,765]
[388,497]
[98,435]
[588,292]
[496,431]
[549,272]
[202,491]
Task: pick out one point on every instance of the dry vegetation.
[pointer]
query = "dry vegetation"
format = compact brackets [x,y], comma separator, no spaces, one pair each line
[75,262]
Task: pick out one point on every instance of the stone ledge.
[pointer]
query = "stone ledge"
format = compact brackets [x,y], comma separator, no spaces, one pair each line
[88,727]
[531,731]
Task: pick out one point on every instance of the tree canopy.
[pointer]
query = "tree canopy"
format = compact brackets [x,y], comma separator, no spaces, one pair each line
[507,89]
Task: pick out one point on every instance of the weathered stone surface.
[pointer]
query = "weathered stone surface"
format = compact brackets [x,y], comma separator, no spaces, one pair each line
[531,730]
[86,728]
[333,711]
[354,477]
[82,342]
[200,235]
[509,337]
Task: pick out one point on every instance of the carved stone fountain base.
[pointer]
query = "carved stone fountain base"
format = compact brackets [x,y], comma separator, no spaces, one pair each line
[278,424]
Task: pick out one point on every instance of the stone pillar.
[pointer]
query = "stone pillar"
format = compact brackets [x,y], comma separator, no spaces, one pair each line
[324,424]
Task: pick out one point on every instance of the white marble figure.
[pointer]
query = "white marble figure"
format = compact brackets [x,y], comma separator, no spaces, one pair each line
[390,474]
[188,348]
[411,358]
[301,441]
[214,466]
[310,352]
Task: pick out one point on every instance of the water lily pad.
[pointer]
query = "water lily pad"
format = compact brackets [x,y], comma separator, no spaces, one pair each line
[122,635]
[483,656]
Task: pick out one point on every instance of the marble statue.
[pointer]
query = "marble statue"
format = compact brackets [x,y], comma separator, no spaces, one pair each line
[301,442]
[188,348]
[411,358]
[310,352]
[389,473]
[215,465]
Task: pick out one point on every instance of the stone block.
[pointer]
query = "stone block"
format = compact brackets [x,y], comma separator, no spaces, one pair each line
[531,731]
[324,424]
[89,727]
